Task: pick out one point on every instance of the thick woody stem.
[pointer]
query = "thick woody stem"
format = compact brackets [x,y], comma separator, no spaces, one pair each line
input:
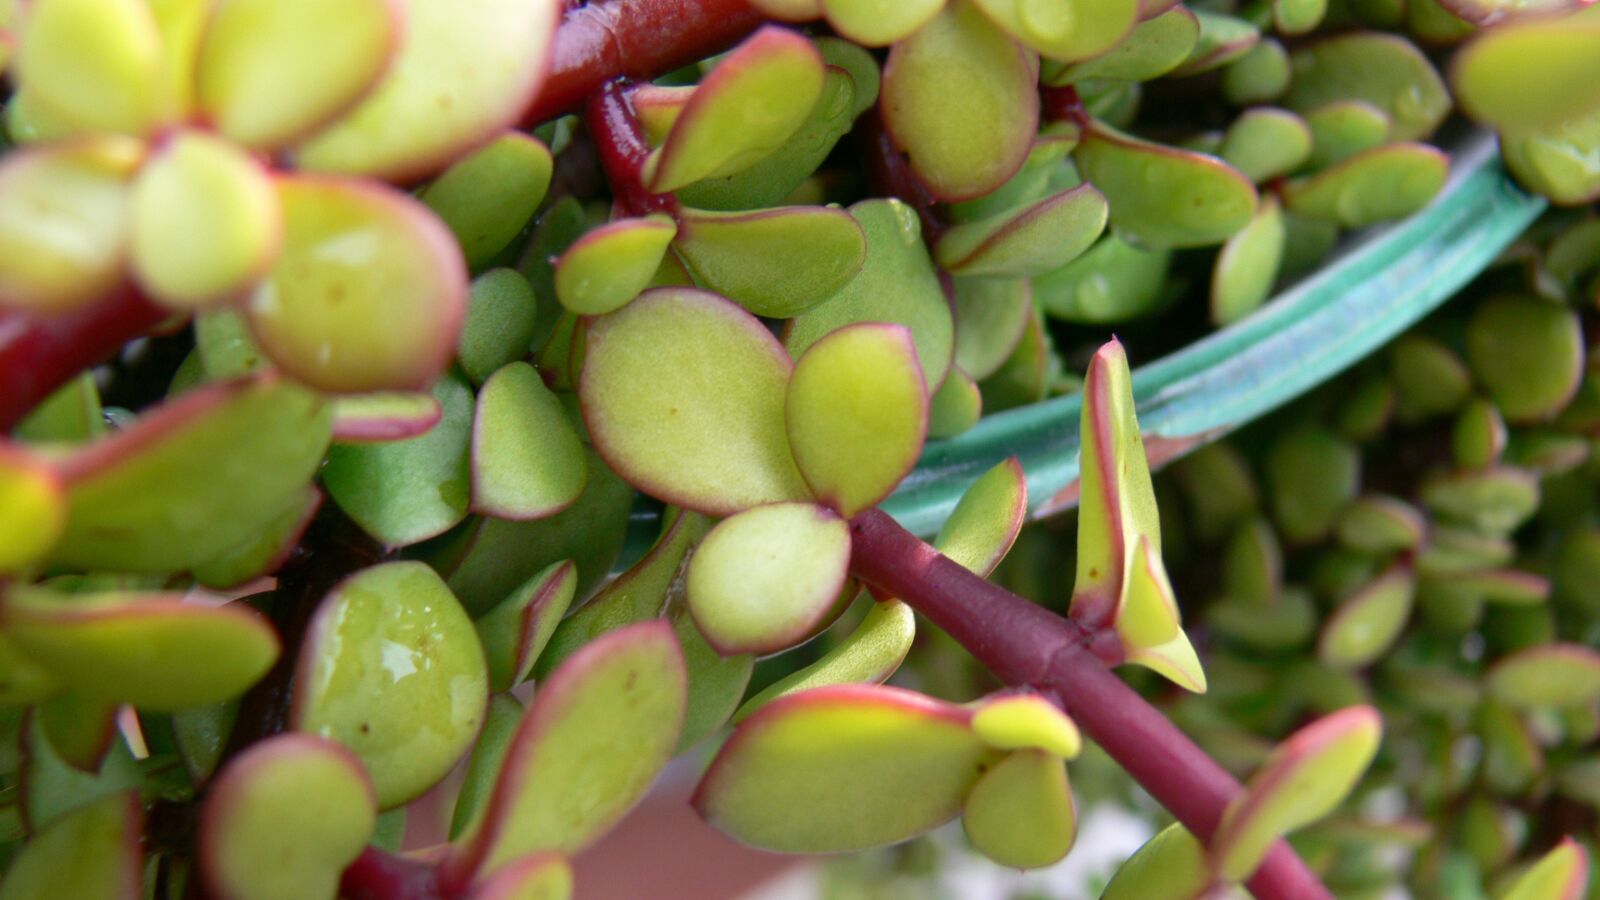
[1024,644]
[615,129]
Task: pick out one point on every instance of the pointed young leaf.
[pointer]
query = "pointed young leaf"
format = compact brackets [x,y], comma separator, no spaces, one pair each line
[1162,196]
[575,766]
[92,853]
[527,459]
[1248,265]
[683,395]
[392,669]
[271,71]
[872,652]
[857,414]
[1307,776]
[775,71]
[1037,239]
[1022,721]
[610,265]
[283,819]
[1147,621]
[515,632]
[773,262]
[1020,813]
[764,579]
[987,518]
[465,70]
[1170,866]
[842,768]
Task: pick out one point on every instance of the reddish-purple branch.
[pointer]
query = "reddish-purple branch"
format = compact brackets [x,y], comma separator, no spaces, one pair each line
[1024,644]
[890,174]
[378,874]
[615,129]
[40,353]
[634,39]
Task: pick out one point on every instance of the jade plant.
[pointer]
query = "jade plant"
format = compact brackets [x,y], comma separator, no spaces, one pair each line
[371,367]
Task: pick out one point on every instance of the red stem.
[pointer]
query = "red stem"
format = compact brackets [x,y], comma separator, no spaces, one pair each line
[890,174]
[615,128]
[378,874]
[1024,644]
[634,39]
[40,353]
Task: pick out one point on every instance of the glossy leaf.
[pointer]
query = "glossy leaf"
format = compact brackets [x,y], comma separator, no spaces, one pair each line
[205,221]
[527,460]
[1026,721]
[878,23]
[869,655]
[1147,622]
[1381,69]
[1533,73]
[1527,353]
[987,519]
[486,198]
[857,414]
[193,479]
[401,492]
[283,819]
[1153,48]
[719,376]
[1161,196]
[1248,265]
[842,768]
[271,71]
[764,579]
[774,262]
[95,63]
[610,265]
[1368,622]
[1557,161]
[1388,182]
[463,73]
[1113,282]
[1071,30]
[959,98]
[313,312]
[1547,676]
[776,71]
[1038,239]
[515,632]
[92,853]
[1306,777]
[392,669]
[897,285]
[575,766]
[1020,813]
[63,215]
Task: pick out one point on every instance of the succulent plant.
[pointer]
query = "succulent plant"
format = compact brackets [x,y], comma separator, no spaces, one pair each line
[342,340]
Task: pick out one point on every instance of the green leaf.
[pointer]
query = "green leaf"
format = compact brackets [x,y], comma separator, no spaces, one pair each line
[52,788]
[991,315]
[1312,474]
[527,460]
[1161,196]
[775,71]
[1219,488]
[1113,282]
[192,480]
[313,312]
[516,632]
[842,768]
[1387,182]
[483,767]
[956,407]
[1261,75]
[987,518]
[95,63]
[716,683]
[201,734]
[1494,500]
[1295,17]
[1384,70]
[1153,48]
[465,71]
[1342,128]
[536,876]
[1533,73]
[284,818]
[22,681]
[487,197]
[205,221]
[1026,721]
[1223,39]
[1561,874]
[1072,30]
[1252,564]
[764,579]
[857,414]
[773,262]
[501,318]
[401,492]
[1265,142]
[33,509]
[869,655]
[575,766]
[610,265]
[1557,161]
[1170,866]
[720,378]
[1368,622]
[270,71]
[1307,776]
[63,217]
[1148,623]
[861,65]
[80,729]
[1527,352]
[1479,435]
[92,853]
[1547,676]
[1379,524]
[896,285]
[1284,624]
[1429,378]
[392,669]
[960,98]
[1248,265]
[1020,813]
[1032,241]
[70,415]
[878,23]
